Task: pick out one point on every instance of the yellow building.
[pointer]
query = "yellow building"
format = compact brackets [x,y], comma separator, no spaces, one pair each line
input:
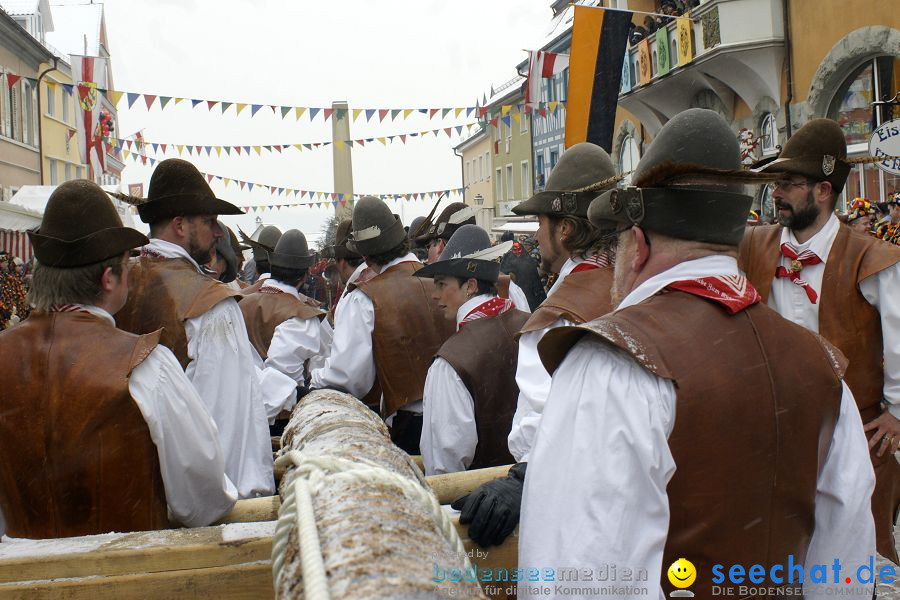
[62,161]
[768,67]
[475,152]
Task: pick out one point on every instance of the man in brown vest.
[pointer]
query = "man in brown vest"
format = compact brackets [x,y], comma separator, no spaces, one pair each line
[101,430]
[387,328]
[283,327]
[658,441]
[470,390]
[201,321]
[818,273]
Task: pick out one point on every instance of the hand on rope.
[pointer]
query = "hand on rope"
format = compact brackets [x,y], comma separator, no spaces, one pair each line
[493,508]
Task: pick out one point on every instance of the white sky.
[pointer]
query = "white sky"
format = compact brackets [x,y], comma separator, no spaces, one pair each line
[373,54]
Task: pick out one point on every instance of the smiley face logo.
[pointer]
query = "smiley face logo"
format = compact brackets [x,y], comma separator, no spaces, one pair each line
[682,573]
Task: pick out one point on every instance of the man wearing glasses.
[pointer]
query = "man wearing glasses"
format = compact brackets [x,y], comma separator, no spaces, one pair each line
[839,283]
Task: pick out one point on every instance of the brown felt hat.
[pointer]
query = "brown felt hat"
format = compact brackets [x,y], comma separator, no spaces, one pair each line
[584,165]
[81,227]
[177,188]
[339,249]
[688,185]
[454,216]
[818,151]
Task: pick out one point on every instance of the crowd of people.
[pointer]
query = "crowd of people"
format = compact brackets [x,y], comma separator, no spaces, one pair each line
[776,345]
[14,284]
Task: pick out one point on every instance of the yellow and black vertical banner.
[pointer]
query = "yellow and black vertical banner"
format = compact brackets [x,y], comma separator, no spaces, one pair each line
[599,41]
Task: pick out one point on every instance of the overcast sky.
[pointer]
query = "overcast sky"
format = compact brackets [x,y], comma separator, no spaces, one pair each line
[373,54]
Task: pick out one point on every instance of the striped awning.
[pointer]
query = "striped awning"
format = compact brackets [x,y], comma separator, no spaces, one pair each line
[16,243]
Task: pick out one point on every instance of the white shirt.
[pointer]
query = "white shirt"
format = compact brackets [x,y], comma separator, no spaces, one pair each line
[351,365]
[791,302]
[187,441]
[578,511]
[223,372]
[517,295]
[326,333]
[533,380]
[449,436]
[294,341]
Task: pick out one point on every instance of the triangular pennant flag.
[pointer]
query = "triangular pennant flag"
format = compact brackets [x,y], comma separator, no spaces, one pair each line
[445,112]
[194,102]
[328,112]
[125,153]
[506,120]
[383,141]
[517,117]
[225,106]
[299,147]
[278,148]
[12,80]
[132,97]
[113,96]
[70,88]
[433,112]
[128,143]
[211,103]
[494,122]
[240,107]
[356,113]
[458,111]
[382,113]
[458,129]
[469,111]
[155,146]
[313,112]
[163,100]
[218,151]
[504,110]
[284,111]
[254,108]
[298,112]
[274,109]
[528,109]
[360,142]
[163,146]
[394,113]
[403,138]
[238,150]
[207,149]
[149,99]
[180,149]
[190,149]
[350,143]
[227,181]
[407,112]
[178,100]
[553,106]
[447,130]
[241,183]
[258,150]
[370,112]
[542,111]
[209,178]
[227,150]
[250,187]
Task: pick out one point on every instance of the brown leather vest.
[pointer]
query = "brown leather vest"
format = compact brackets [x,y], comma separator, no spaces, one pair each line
[747,446]
[409,330]
[503,282]
[581,297]
[264,311]
[76,457]
[849,322]
[164,293]
[484,354]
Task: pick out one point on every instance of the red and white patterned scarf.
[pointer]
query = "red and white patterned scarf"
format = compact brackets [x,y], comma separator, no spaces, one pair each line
[596,261]
[490,308]
[733,292]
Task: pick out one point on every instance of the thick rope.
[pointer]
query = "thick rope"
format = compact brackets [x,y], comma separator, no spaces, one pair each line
[305,479]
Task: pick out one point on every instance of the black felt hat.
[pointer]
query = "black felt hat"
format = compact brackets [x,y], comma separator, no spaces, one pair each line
[453,217]
[468,254]
[177,188]
[375,228]
[292,251]
[339,249]
[81,227]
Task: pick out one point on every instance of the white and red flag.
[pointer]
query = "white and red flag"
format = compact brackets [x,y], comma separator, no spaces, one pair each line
[89,73]
[542,65]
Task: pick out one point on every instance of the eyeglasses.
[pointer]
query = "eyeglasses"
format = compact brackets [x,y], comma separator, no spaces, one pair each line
[786,185]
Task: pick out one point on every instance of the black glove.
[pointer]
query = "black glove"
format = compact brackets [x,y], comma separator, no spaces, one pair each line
[493,508]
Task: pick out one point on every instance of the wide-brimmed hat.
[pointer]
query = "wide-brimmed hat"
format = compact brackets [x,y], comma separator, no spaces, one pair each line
[818,151]
[468,254]
[338,249]
[265,242]
[454,216]
[178,188]
[583,172]
[689,184]
[81,227]
[375,228]
[225,249]
[292,251]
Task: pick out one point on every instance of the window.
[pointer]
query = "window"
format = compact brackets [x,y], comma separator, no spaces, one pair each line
[51,168]
[673,52]
[479,169]
[510,191]
[539,179]
[523,122]
[29,123]
[768,134]
[554,156]
[66,100]
[526,178]
[468,172]
[629,155]
[68,172]
[51,99]
[487,166]
[498,185]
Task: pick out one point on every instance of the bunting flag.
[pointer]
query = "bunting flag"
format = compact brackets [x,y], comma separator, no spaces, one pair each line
[685,49]
[542,65]
[90,72]
[599,40]
[662,51]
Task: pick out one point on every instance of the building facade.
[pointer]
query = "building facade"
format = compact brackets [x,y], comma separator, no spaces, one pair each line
[511,147]
[476,158]
[21,57]
[62,160]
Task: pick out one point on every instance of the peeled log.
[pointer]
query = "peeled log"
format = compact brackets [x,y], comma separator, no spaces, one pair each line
[376,540]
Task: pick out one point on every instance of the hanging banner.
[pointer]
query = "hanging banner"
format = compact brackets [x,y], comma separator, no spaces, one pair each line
[662,51]
[685,50]
[90,73]
[644,58]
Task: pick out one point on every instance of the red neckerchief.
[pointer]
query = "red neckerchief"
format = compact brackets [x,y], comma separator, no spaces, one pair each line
[67,308]
[733,292]
[798,261]
[151,253]
[490,308]
[597,261]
